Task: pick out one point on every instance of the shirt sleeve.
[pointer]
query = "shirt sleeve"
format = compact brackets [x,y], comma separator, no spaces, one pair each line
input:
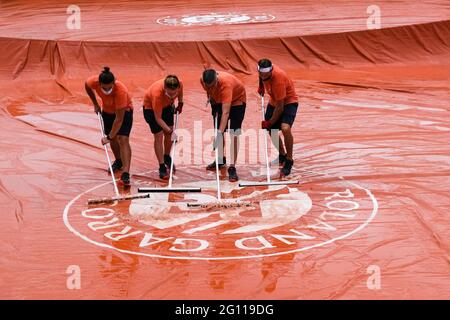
[157,104]
[227,94]
[147,101]
[92,82]
[278,90]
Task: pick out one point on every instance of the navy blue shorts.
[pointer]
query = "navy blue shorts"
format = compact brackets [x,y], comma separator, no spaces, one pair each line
[288,115]
[237,114]
[167,116]
[127,124]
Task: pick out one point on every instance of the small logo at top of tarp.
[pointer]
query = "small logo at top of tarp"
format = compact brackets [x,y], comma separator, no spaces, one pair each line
[214,19]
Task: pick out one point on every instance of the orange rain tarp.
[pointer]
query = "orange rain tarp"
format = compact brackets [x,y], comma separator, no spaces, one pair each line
[369,219]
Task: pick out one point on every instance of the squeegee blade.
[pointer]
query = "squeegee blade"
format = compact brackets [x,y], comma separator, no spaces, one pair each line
[168,190]
[272,183]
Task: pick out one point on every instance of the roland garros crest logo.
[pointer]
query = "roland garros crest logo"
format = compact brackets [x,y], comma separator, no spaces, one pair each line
[283,219]
[215,18]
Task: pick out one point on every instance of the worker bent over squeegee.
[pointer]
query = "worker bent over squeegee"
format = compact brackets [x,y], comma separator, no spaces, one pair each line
[227,97]
[281,110]
[117,114]
[159,112]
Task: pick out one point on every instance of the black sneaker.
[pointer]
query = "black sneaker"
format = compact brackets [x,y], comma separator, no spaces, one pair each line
[232,175]
[163,172]
[280,161]
[168,162]
[212,166]
[116,166]
[125,178]
[286,170]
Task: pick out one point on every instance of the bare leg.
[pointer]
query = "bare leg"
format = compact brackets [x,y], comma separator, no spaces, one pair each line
[167,143]
[159,149]
[221,149]
[234,149]
[288,139]
[115,146]
[278,144]
[125,152]
[234,146]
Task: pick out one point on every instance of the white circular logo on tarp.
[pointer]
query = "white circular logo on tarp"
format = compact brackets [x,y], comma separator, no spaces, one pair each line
[282,219]
[215,18]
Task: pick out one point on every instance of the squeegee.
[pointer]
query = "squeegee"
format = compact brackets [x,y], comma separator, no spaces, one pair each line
[268,182]
[169,188]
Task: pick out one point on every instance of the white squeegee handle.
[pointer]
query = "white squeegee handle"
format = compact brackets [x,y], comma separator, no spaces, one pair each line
[216,129]
[263,112]
[173,151]
[107,155]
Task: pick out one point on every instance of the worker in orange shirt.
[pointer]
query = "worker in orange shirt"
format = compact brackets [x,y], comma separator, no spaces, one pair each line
[159,112]
[117,114]
[281,110]
[227,97]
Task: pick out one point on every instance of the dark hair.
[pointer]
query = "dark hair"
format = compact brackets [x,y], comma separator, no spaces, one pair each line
[106,77]
[209,76]
[264,63]
[172,82]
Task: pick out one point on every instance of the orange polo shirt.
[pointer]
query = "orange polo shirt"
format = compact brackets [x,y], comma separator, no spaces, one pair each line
[155,97]
[118,99]
[229,89]
[280,87]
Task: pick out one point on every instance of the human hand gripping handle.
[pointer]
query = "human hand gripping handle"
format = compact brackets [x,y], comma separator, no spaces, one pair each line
[174,137]
[265,124]
[102,128]
[97,109]
[179,107]
[106,140]
[218,140]
[261,90]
